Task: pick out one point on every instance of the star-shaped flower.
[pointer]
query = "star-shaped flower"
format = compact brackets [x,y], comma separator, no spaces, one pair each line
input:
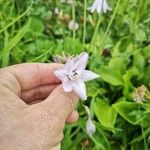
[73,75]
[99,6]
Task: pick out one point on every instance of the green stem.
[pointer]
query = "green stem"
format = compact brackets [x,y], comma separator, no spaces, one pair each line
[91,48]
[109,25]
[96,30]
[73,17]
[145,145]
[84,24]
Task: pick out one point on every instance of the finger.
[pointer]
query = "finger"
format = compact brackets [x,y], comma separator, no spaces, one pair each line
[36,101]
[60,104]
[28,76]
[73,117]
[41,92]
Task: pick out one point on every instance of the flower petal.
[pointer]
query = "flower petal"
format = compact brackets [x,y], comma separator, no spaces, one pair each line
[88,75]
[69,66]
[60,73]
[67,86]
[80,89]
[81,61]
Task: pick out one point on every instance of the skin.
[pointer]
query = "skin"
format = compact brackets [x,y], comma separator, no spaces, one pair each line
[33,107]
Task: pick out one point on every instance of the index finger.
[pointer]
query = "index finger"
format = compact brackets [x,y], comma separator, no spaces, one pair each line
[32,75]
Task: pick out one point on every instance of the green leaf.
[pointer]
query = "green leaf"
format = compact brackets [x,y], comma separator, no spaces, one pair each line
[105,114]
[140,137]
[139,61]
[130,111]
[6,51]
[37,25]
[128,87]
[16,19]
[146,52]
[111,76]
[140,35]
[118,64]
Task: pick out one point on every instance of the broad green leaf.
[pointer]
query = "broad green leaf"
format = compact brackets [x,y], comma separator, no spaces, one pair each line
[105,114]
[111,76]
[146,52]
[130,111]
[37,25]
[139,61]
[117,64]
[140,35]
[128,87]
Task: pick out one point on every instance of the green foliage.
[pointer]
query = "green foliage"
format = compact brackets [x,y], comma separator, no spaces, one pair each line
[105,114]
[119,46]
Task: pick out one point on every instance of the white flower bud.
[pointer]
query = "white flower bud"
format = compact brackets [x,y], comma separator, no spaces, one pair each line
[72,25]
[90,127]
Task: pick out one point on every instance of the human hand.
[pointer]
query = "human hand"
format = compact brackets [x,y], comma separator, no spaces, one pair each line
[33,107]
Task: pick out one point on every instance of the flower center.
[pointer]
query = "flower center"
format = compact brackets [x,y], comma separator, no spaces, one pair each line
[75,75]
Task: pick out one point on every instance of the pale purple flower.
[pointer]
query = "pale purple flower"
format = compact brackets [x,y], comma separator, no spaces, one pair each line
[99,6]
[72,25]
[90,127]
[73,75]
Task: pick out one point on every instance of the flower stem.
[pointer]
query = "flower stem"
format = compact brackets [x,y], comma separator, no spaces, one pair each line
[94,36]
[109,25]
[73,17]
[96,30]
[84,24]
[145,145]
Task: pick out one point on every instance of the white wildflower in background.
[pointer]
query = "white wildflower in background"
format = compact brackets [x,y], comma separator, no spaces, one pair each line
[67,1]
[99,6]
[90,126]
[56,11]
[139,94]
[70,1]
[73,75]
[72,25]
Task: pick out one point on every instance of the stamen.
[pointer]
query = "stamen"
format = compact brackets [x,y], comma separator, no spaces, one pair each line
[74,75]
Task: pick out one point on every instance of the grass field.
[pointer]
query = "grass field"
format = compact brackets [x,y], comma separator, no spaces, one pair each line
[118,43]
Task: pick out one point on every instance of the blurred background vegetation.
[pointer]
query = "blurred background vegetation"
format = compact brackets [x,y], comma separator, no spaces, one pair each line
[119,45]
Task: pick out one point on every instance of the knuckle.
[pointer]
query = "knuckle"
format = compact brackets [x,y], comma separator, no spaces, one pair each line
[38,72]
[37,93]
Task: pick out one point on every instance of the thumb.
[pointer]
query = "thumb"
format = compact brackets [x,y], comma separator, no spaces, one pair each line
[59,103]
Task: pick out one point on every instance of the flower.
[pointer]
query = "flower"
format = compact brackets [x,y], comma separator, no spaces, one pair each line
[90,126]
[99,6]
[139,94]
[70,1]
[72,25]
[67,1]
[56,11]
[73,75]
